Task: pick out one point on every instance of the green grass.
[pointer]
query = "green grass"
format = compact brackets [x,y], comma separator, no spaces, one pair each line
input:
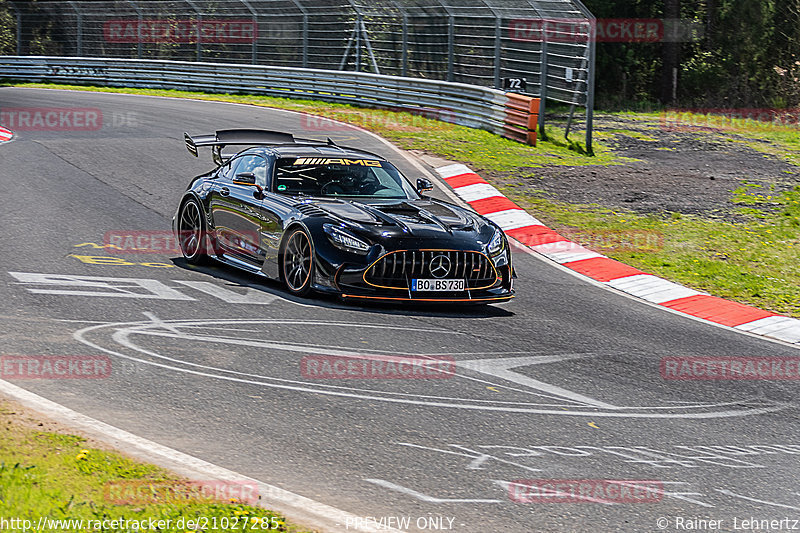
[479,149]
[60,477]
[753,262]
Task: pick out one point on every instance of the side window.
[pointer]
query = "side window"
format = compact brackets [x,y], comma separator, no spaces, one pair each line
[226,170]
[255,164]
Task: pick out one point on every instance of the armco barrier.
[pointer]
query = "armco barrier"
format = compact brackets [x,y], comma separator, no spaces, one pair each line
[457,103]
[522,118]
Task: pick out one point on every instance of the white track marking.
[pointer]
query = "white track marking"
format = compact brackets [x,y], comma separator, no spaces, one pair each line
[565,251]
[512,219]
[478,191]
[126,329]
[765,502]
[781,327]
[114,287]
[304,510]
[506,486]
[456,169]
[424,497]
[478,458]
[257,376]
[652,288]
[251,295]
[501,368]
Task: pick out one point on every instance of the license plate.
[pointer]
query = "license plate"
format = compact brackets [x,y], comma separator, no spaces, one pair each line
[437,285]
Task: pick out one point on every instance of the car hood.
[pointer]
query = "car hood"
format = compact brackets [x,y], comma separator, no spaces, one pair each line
[409,216]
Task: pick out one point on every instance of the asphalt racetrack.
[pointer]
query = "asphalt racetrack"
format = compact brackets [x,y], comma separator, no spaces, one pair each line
[561,383]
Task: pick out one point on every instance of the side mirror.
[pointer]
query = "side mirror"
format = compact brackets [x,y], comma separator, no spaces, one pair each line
[424,185]
[248,179]
[245,178]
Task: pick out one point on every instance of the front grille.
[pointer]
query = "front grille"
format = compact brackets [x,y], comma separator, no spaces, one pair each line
[395,269]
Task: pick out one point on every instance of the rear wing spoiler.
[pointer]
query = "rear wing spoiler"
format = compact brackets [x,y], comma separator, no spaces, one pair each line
[219,140]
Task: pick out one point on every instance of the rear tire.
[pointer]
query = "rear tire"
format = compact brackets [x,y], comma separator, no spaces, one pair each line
[192,233]
[297,263]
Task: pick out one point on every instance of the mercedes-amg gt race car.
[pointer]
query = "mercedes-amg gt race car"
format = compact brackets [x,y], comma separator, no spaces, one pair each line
[322,217]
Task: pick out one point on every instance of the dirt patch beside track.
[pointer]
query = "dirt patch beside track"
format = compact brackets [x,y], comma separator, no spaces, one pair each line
[690,172]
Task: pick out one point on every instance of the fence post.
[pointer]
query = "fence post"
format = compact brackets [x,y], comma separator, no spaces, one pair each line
[254,14]
[543,82]
[590,93]
[590,76]
[79,29]
[19,27]
[304,11]
[139,28]
[359,22]
[451,56]
[199,14]
[498,50]
[404,58]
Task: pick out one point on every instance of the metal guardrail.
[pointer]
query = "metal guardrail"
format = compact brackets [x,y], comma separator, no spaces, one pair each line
[539,48]
[457,103]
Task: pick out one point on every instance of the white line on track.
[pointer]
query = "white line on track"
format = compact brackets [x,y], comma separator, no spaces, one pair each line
[124,330]
[299,508]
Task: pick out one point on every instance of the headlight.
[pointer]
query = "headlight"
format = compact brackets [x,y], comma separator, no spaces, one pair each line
[345,241]
[496,244]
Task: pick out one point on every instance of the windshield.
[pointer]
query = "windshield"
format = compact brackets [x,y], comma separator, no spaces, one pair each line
[325,176]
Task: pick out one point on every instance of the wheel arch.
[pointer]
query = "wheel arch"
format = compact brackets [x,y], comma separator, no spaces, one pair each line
[289,230]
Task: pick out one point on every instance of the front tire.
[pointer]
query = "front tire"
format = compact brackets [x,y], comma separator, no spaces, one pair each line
[297,263]
[192,232]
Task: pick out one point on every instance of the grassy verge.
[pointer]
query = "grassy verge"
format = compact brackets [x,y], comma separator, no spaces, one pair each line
[56,476]
[477,148]
[754,261]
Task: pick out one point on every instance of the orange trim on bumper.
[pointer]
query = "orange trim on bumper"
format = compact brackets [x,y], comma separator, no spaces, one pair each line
[429,299]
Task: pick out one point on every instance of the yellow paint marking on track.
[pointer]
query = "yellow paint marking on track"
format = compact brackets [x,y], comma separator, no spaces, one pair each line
[115,261]
[96,246]
[592,425]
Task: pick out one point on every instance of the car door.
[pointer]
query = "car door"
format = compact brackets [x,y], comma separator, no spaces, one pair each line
[235,209]
[275,210]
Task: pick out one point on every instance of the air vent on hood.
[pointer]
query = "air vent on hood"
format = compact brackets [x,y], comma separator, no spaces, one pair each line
[310,210]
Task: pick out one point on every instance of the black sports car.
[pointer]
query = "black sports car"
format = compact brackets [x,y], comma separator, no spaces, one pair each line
[322,217]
